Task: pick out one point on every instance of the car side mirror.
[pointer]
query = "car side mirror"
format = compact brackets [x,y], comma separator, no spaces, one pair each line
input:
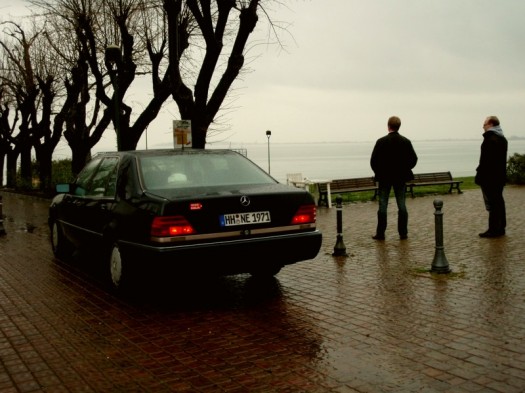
[62,188]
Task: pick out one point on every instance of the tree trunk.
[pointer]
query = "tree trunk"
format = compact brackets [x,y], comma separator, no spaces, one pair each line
[26,167]
[12,158]
[44,156]
[79,157]
[2,162]
[198,134]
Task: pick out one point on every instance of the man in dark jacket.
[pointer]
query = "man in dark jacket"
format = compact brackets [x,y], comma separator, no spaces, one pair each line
[392,161]
[491,175]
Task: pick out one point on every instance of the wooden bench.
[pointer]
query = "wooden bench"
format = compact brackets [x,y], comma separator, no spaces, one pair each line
[346,185]
[432,179]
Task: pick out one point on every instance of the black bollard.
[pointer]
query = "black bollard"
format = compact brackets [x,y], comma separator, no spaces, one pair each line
[2,229]
[339,249]
[440,263]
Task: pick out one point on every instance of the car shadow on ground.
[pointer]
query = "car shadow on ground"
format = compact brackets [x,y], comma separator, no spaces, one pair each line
[164,289]
[209,293]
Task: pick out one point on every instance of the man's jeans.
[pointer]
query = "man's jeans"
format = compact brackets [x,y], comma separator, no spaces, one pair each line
[402,214]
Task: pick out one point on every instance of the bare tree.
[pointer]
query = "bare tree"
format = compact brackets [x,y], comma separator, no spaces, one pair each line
[31,76]
[77,118]
[117,40]
[102,46]
[19,79]
[179,43]
[7,125]
[210,25]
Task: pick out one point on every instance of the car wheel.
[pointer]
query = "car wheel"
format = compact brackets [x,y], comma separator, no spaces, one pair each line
[62,249]
[115,266]
[119,269]
[266,271]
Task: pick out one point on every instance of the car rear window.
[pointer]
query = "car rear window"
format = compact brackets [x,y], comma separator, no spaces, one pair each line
[199,170]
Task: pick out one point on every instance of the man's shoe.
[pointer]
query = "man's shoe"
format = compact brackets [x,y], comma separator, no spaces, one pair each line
[403,237]
[491,234]
[378,237]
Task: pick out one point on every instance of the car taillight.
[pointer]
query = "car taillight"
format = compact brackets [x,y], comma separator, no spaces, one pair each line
[171,226]
[305,214]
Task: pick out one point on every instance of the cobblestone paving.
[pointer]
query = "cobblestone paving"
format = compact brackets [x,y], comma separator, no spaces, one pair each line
[375,321]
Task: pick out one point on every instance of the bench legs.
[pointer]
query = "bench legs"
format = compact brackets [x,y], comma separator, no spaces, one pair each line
[455,186]
[410,189]
[323,199]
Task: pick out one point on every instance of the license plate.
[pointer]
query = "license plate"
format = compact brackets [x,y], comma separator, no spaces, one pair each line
[228,220]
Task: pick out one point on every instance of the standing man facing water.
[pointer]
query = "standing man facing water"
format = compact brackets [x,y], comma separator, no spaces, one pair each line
[491,175]
[392,161]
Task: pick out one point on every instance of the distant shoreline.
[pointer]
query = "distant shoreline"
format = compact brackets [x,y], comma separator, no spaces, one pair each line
[236,143]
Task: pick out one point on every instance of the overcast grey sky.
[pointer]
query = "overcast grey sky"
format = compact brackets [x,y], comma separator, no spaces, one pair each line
[442,66]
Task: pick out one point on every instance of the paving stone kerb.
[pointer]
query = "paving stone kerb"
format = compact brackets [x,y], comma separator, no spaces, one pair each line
[375,321]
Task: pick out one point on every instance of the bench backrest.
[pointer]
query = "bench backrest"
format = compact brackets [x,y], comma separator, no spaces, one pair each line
[345,184]
[431,177]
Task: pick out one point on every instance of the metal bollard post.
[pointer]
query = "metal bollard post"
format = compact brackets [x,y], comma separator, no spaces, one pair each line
[2,229]
[440,263]
[339,249]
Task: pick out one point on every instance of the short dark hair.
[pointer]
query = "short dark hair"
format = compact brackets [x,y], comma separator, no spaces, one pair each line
[493,120]
[394,123]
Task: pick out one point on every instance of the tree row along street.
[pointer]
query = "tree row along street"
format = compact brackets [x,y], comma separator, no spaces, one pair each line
[68,68]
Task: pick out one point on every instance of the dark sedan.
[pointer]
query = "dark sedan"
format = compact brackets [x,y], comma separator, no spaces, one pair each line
[191,211]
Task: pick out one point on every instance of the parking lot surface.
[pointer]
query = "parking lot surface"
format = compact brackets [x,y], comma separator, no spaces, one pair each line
[374,321]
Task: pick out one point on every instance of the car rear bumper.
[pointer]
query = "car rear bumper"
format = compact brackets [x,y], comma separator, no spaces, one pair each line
[228,257]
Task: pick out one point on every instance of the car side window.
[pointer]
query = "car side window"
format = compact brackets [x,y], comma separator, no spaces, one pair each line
[104,179]
[111,187]
[98,178]
[83,178]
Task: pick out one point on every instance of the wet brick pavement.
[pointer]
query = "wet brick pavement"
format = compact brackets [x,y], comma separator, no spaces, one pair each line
[375,321]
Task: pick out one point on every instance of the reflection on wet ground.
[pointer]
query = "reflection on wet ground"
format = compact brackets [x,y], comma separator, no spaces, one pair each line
[375,321]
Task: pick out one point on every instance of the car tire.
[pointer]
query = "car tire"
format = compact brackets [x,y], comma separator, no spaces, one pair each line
[119,269]
[62,248]
[116,266]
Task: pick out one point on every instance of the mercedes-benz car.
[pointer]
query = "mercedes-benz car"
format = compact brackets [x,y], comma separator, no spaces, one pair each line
[190,211]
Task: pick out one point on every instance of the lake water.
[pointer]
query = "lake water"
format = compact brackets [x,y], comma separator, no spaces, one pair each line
[340,160]
[337,160]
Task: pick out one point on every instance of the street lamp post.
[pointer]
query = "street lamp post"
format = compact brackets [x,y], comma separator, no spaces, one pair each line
[268,135]
[113,57]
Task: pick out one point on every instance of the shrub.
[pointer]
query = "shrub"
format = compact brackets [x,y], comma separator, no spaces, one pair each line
[62,171]
[516,169]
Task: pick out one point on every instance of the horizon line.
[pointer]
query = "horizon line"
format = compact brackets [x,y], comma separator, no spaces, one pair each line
[513,137]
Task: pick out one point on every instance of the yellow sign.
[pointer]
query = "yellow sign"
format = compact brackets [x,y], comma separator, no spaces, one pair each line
[181,133]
